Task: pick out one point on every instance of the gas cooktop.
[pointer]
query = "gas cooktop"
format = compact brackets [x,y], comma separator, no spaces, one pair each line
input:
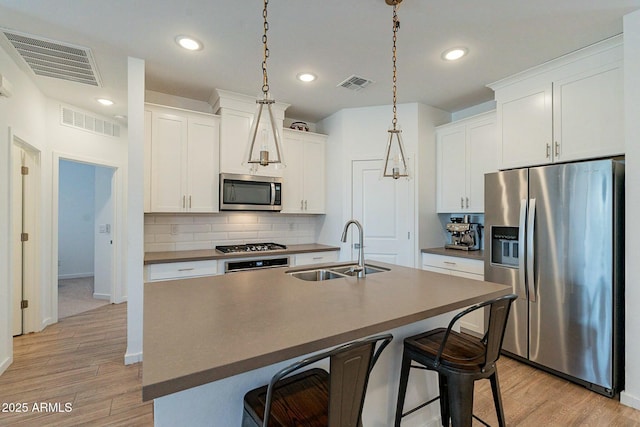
[250,247]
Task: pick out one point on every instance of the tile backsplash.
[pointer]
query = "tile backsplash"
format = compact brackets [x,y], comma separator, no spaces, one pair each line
[181,232]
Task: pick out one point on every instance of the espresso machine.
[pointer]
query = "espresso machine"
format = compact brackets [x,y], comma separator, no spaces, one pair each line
[463,235]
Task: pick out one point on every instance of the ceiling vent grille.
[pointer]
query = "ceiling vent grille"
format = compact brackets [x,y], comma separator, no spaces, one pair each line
[355,83]
[54,59]
[83,121]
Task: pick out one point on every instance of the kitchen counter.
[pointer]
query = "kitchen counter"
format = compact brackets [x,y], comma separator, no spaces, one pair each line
[477,255]
[210,254]
[210,331]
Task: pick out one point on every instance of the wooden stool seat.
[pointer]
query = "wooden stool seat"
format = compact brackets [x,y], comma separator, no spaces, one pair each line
[460,352]
[300,400]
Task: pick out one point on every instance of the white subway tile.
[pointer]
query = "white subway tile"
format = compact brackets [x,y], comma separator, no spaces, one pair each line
[159,247]
[165,238]
[193,246]
[157,229]
[174,219]
[210,236]
[192,228]
[242,218]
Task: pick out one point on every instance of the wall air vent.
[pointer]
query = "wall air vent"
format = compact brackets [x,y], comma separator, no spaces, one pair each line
[355,83]
[54,59]
[84,121]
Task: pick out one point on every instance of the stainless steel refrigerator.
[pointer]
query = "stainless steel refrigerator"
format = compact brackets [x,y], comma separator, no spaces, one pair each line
[556,235]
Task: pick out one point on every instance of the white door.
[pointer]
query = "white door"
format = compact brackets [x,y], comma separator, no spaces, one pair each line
[385,208]
[23,210]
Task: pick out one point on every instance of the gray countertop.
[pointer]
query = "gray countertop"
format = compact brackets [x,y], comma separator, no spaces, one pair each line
[478,255]
[204,329]
[210,254]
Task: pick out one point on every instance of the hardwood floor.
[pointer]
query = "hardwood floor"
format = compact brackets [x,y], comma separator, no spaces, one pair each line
[79,361]
[76,369]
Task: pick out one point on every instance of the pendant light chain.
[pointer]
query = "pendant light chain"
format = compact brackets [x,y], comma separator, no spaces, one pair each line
[265,78]
[396,25]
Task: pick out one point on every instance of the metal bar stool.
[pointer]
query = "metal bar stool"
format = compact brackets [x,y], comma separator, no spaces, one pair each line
[459,360]
[316,397]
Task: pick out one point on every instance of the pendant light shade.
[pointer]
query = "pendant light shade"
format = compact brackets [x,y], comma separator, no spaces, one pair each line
[395,159]
[265,143]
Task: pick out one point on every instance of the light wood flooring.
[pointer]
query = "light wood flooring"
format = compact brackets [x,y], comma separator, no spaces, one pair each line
[80,361]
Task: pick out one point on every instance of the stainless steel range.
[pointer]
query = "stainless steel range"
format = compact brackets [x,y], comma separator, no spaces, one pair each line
[250,247]
[257,260]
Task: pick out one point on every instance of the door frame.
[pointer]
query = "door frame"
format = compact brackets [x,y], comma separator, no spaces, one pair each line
[117,248]
[33,260]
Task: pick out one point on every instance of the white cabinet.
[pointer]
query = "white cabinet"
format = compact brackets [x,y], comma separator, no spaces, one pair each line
[465,152]
[568,109]
[236,115]
[183,171]
[180,270]
[315,258]
[474,322]
[304,177]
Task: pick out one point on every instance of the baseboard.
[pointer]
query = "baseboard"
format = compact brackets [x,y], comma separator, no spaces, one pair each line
[131,358]
[102,296]
[74,276]
[5,364]
[629,400]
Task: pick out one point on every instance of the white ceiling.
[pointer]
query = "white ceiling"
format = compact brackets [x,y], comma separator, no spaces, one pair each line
[333,39]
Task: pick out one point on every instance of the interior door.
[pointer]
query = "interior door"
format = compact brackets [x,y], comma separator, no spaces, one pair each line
[16,227]
[384,207]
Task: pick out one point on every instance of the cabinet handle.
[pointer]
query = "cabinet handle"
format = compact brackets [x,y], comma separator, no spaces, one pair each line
[184,202]
[318,257]
[461,202]
[189,202]
[449,262]
[305,205]
[186,269]
[467,200]
[301,205]
[548,151]
[557,150]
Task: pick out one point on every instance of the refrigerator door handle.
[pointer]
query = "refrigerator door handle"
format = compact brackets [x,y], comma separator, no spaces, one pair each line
[531,221]
[521,288]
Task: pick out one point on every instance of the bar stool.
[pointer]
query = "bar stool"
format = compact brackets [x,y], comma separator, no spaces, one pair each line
[459,360]
[316,397]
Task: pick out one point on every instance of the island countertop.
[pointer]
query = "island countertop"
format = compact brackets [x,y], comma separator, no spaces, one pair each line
[204,329]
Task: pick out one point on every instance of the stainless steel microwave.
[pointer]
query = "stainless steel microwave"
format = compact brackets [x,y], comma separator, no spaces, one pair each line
[250,193]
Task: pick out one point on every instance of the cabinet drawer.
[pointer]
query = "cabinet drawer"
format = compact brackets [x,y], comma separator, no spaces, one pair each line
[316,258]
[179,270]
[453,263]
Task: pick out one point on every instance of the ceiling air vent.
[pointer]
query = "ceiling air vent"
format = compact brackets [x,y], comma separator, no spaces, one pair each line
[83,121]
[355,83]
[55,59]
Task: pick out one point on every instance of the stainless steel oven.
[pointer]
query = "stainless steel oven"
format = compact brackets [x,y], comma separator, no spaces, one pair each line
[250,193]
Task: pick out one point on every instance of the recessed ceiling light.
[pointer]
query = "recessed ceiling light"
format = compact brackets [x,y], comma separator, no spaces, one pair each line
[306,77]
[105,101]
[188,43]
[455,53]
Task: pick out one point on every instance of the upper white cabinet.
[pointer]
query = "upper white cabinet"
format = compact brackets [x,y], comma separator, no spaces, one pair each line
[182,168]
[567,109]
[465,151]
[236,115]
[304,177]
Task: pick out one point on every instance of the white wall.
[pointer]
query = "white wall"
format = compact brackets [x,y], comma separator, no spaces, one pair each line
[135,211]
[22,115]
[360,133]
[76,218]
[631,395]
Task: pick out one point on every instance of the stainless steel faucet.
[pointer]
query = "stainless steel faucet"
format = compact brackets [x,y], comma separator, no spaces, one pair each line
[360,269]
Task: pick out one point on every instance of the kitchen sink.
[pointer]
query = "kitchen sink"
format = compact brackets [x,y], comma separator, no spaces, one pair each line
[328,273]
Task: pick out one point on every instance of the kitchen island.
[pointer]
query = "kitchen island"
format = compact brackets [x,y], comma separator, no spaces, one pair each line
[209,340]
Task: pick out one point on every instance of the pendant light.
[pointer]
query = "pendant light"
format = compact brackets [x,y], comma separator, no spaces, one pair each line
[395,161]
[266,140]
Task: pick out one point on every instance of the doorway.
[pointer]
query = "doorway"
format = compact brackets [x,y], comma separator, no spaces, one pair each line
[385,208]
[25,188]
[85,242]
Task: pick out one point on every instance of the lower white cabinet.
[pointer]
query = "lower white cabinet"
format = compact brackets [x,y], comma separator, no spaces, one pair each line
[473,323]
[180,270]
[315,258]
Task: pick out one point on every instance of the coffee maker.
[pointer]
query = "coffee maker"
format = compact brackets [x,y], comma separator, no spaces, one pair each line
[463,235]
